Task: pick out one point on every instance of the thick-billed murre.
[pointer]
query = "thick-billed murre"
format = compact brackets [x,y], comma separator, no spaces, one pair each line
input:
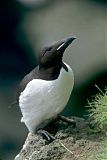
[45,91]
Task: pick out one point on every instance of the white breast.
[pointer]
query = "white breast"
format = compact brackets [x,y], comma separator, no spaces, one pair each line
[42,100]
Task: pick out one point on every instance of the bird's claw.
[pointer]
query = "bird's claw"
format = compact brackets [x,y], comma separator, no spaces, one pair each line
[67,120]
[47,135]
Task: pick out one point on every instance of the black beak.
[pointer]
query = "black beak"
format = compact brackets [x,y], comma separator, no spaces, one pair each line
[65,43]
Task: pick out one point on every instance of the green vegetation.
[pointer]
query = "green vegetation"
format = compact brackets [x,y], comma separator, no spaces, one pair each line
[100,154]
[103,153]
[98,119]
[98,111]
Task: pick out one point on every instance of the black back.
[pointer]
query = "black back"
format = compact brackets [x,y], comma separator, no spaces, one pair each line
[49,64]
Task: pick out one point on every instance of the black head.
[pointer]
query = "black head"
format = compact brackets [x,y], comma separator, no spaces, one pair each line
[50,57]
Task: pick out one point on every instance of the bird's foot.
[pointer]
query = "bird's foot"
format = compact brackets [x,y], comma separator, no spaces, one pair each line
[47,135]
[67,120]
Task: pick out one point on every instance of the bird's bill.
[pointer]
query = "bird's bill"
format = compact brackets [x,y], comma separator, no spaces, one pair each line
[65,43]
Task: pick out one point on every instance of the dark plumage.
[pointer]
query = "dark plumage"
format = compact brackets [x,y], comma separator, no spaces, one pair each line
[45,91]
[49,66]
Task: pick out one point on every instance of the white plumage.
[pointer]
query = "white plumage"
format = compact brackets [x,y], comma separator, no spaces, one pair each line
[43,100]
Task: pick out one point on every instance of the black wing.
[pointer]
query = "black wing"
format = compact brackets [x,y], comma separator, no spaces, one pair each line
[32,75]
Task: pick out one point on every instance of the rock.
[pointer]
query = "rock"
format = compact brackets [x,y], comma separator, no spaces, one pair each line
[70,143]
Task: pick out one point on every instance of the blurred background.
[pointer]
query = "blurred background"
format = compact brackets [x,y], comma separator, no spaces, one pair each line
[25,26]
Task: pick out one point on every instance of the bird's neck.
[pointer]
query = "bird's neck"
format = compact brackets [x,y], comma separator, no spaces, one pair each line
[50,73]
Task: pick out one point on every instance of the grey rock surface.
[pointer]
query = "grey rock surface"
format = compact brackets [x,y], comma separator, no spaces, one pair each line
[71,143]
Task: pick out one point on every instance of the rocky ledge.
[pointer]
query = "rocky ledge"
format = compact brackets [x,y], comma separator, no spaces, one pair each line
[71,143]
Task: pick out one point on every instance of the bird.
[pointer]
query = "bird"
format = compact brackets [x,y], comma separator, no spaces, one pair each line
[44,92]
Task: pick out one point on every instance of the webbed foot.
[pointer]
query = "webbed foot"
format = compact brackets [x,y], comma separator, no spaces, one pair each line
[46,134]
[67,120]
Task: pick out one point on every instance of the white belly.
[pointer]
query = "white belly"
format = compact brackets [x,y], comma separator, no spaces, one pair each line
[42,100]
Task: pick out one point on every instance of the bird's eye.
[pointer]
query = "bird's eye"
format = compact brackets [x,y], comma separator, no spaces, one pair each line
[46,50]
[49,48]
[43,53]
